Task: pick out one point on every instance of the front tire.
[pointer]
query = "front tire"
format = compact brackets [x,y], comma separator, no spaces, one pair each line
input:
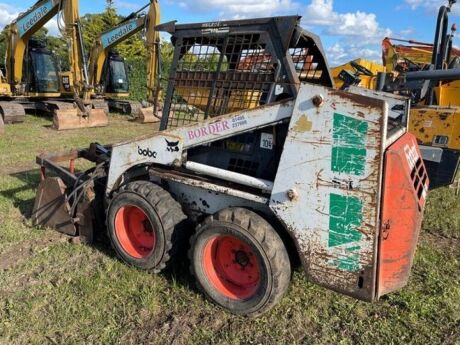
[240,262]
[144,225]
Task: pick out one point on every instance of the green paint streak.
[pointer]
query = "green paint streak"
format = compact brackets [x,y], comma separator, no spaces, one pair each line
[352,249]
[349,145]
[349,263]
[345,218]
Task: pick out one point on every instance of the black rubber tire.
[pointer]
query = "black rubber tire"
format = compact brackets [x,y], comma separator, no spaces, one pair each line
[268,248]
[164,213]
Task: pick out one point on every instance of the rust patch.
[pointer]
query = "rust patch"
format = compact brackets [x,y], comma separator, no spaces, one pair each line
[359,99]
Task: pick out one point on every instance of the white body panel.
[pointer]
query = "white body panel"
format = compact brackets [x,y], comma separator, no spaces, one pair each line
[332,161]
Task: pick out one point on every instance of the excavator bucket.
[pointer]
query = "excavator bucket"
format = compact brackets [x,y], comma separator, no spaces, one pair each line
[70,119]
[12,112]
[148,115]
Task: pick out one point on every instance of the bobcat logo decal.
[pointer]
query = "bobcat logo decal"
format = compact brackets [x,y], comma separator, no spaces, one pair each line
[172,146]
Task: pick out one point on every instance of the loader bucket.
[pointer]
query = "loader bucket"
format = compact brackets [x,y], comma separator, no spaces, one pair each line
[51,209]
[146,115]
[70,119]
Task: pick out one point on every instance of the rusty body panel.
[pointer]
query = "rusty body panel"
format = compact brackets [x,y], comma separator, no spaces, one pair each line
[335,218]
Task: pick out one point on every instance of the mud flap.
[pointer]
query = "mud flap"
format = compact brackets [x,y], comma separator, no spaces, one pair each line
[64,119]
[146,115]
[51,208]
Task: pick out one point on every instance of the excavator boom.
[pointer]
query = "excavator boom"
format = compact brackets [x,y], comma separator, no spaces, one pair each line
[99,61]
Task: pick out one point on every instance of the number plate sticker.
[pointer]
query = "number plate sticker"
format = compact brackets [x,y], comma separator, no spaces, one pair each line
[266,141]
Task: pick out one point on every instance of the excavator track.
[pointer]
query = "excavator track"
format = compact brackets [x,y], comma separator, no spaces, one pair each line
[125,107]
[12,112]
[100,104]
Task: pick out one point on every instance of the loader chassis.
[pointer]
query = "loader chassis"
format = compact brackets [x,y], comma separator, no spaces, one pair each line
[260,142]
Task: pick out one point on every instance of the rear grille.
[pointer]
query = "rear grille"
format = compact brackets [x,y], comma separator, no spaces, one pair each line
[419,179]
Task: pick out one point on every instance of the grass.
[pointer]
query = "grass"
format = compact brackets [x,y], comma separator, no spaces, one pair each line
[58,292]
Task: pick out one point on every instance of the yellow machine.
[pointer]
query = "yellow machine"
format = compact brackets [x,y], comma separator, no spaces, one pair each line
[358,72]
[33,80]
[416,55]
[430,75]
[108,72]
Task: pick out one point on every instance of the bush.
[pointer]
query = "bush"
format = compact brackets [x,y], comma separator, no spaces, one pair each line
[137,78]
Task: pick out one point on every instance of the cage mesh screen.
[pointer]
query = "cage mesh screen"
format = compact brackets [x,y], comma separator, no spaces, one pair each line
[216,76]
[305,62]
[216,72]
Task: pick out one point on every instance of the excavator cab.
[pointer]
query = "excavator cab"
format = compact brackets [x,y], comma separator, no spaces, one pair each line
[41,70]
[115,75]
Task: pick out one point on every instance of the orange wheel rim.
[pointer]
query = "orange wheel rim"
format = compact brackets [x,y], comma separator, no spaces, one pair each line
[231,267]
[134,231]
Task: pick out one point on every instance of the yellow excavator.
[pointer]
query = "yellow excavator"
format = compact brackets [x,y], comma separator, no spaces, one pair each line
[108,72]
[430,75]
[33,80]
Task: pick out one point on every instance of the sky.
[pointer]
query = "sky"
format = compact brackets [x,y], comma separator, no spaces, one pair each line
[348,29]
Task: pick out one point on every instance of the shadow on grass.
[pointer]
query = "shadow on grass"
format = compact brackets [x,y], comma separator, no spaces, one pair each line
[31,179]
[177,272]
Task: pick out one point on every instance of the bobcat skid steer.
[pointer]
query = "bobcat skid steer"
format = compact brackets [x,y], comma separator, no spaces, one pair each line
[267,160]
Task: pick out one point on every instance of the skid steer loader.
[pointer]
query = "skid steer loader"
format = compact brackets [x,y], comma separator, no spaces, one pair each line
[268,161]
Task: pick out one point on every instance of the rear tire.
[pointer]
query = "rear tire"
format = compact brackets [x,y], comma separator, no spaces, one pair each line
[144,225]
[240,262]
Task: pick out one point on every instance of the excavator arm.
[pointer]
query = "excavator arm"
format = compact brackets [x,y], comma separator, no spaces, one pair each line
[110,38]
[28,23]
[153,55]
[131,25]
[19,33]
